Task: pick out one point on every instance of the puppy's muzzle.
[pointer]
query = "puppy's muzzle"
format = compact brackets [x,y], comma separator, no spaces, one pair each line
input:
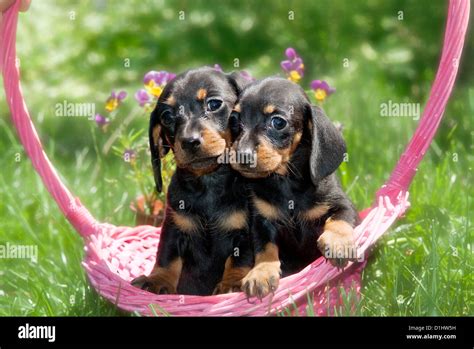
[191,144]
[246,158]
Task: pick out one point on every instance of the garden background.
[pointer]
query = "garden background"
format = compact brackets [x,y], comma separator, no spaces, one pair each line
[372,52]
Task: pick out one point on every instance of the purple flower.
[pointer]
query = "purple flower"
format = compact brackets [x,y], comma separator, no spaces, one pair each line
[321,90]
[293,66]
[218,68]
[129,155]
[101,120]
[246,75]
[142,97]
[155,81]
[120,96]
[158,77]
[114,100]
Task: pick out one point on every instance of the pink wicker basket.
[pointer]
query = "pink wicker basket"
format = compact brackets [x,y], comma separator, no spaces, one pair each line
[115,255]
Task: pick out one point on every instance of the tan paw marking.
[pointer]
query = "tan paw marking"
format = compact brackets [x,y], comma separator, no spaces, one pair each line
[161,280]
[337,243]
[262,280]
[223,287]
[231,279]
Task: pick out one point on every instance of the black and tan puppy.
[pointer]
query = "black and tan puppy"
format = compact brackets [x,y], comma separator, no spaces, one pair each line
[205,242]
[298,203]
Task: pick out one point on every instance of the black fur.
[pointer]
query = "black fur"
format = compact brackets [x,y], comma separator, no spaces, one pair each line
[204,254]
[310,179]
[205,197]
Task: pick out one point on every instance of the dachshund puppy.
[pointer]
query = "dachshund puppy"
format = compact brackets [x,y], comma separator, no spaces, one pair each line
[205,243]
[299,206]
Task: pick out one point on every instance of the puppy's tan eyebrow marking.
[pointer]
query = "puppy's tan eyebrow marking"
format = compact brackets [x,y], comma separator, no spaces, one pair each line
[170,100]
[269,108]
[201,94]
[237,108]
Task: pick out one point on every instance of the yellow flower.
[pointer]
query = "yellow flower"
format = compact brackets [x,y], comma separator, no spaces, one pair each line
[294,76]
[111,104]
[114,100]
[153,88]
[320,94]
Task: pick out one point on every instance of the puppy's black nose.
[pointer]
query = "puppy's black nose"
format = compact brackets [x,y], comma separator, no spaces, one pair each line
[191,143]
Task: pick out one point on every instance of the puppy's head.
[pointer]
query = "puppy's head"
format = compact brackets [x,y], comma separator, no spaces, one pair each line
[275,118]
[191,117]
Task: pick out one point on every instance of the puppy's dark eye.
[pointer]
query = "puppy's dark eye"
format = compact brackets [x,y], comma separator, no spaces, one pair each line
[167,118]
[214,104]
[278,123]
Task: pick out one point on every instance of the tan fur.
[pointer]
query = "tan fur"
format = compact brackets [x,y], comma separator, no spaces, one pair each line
[315,212]
[201,94]
[233,221]
[268,158]
[213,143]
[166,277]
[276,160]
[171,101]
[269,108]
[203,171]
[296,142]
[232,278]
[339,227]
[156,134]
[226,135]
[157,140]
[337,240]
[266,209]
[286,154]
[265,276]
[185,223]
[269,254]
[237,108]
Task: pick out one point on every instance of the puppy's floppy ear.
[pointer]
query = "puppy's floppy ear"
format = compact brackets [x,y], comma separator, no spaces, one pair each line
[158,145]
[327,145]
[238,81]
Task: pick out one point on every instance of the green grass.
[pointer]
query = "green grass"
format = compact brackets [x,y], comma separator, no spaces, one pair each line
[422,266]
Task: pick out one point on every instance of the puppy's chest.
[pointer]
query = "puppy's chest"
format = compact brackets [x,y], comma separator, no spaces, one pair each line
[214,210]
[286,202]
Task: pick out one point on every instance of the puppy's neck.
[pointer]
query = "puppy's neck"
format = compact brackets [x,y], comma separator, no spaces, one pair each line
[195,181]
[204,171]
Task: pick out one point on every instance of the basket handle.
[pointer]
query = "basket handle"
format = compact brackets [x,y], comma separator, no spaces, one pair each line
[71,207]
[405,170]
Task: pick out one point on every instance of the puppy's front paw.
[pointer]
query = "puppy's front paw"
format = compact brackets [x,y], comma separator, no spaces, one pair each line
[154,283]
[262,280]
[337,243]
